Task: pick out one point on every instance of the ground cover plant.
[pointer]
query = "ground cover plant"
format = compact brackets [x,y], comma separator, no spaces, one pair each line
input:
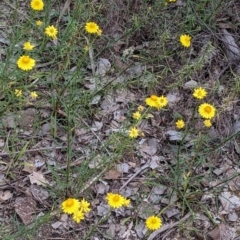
[119,119]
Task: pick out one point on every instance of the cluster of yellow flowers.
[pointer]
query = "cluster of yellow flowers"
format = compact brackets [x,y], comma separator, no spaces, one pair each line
[18,93]
[76,208]
[117,201]
[25,62]
[206,110]
[152,101]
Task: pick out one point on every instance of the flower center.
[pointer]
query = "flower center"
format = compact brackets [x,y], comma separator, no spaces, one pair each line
[37,3]
[208,109]
[25,59]
[116,198]
[154,221]
[69,202]
[154,97]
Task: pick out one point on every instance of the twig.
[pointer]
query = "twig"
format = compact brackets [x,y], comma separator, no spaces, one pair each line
[90,182]
[22,14]
[90,51]
[33,150]
[134,175]
[168,226]
[95,135]
[73,164]
[64,9]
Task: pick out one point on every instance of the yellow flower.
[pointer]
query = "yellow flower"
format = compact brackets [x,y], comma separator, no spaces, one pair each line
[28,46]
[153,223]
[185,40]
[39,23]
[207,123]
[99,32]
[172,0]
[126,202]
[180,124]
[37,5]
[78,216]
[207,110]
[51,31]
[71,205]
[199,93]
[25,63]
[84,206]
[86,48]
[140,108]
[18,92]
[115,200]
[137,115]
[133,132]
[162,101]
[92,27]
[152,101]
[33,95]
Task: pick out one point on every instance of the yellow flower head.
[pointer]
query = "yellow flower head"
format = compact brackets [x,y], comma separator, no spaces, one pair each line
[33,95]
[18,92]
[133,132]
[84,206]
[39,23]
[25,63]
[153,223]
[199,93]
[99,32]
[126,202]
[78,216]
[92,27]
[37,5]
[206,110]
[71,205]
[136,115]
[51,31]
[86,48]
[180,124]
[140,108]
[172,0]
[115,200]
[162,101]
[207,123]
[152,101]
[185,40]
[28,46]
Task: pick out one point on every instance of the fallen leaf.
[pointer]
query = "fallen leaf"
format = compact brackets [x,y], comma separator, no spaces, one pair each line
[29,167]
[38,178]
[112,174]
[103,66]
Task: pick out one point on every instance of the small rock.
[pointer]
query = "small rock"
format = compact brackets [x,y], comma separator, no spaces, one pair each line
[25,207]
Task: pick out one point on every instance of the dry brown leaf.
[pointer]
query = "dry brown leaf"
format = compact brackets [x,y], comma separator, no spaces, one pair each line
[29,167]
[112,174]
[38,178]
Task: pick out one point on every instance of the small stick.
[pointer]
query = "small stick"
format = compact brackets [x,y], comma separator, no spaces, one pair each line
[64,9]
[134,175]
[33,150]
